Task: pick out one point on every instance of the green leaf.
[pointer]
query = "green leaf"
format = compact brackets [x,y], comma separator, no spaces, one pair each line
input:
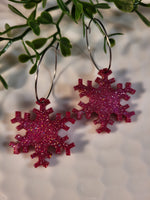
[3,82]
[125,5]
[33,69]
[6,28]
[32,16]
[65,46]
[17,12]
[112,42]
[34,26]
[75,1]
[38,43]
[63,6]
[88,9]
[30,5]
[102,6]
[24,58]
[30,44]
[44,3]
[143,18]
[37,56]
[76,11]
[45,18]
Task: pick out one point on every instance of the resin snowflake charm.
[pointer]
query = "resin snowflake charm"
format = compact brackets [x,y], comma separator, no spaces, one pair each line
[42,133]
[104,101]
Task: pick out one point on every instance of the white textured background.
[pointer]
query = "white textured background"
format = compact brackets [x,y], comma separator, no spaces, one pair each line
[113,166]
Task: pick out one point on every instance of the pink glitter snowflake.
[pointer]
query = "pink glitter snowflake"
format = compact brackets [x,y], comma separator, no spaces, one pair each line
[42,133]
[104,100]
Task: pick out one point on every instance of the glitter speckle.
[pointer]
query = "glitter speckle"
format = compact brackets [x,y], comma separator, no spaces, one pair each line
[42,133]
[104,101]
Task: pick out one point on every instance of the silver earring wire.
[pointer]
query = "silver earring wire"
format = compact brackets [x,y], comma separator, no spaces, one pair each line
[102,28]
[37,73]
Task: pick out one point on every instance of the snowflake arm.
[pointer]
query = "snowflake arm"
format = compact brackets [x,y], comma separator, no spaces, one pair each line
[24,122]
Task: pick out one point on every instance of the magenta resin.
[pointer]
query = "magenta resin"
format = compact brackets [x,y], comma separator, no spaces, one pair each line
[42,133]
[104,101]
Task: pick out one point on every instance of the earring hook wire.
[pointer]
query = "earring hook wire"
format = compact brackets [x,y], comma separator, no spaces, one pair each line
[103,30]
[38,70]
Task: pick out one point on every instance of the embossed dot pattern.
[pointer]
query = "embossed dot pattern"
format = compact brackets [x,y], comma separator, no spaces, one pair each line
[112,166]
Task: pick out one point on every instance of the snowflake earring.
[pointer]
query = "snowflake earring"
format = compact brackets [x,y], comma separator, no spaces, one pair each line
[42,131]
[104,100]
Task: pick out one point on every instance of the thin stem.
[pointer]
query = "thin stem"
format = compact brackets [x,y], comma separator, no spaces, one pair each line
[56,7]
[13,27]
[83,23]
[22,35]
[18,37]
[91,1]
[60,18]
[57,24]
[52,42]
[3,38]
[145,4]
[54,35]
[52,8]
[19,1]
[27,51]
[5,47]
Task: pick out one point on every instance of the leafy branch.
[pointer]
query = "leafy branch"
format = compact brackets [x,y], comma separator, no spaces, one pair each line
[76,10]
